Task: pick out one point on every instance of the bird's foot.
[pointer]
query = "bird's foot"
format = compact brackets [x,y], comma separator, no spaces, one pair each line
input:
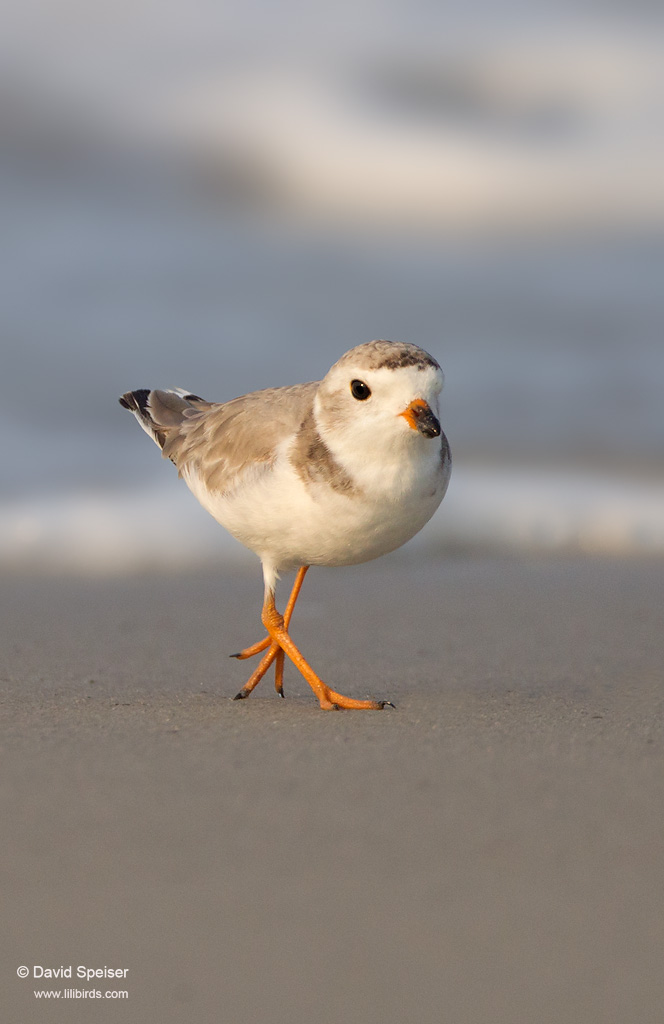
[328,699]
[279,673]
[331,701]
[248,652]
[273,653]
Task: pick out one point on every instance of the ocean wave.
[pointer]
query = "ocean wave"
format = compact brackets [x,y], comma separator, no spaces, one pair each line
[545,138]
[113,533]
[554,511]
[551,127]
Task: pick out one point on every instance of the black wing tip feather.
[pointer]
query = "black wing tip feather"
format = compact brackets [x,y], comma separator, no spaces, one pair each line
[136,401]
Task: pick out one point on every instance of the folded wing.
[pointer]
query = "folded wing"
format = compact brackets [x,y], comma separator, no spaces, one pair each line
[220,441]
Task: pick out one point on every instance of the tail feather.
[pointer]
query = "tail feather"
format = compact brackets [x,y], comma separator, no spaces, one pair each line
[159,411]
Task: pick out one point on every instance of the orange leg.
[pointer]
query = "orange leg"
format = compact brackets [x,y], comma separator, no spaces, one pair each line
[275,652]
[277,627]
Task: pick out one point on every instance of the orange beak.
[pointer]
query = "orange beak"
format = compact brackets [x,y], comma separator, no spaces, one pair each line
[418,415]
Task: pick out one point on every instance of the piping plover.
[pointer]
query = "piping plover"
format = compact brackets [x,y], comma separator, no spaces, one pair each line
[335,472]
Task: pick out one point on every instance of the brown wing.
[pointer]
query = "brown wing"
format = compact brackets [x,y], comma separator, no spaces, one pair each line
[221,441]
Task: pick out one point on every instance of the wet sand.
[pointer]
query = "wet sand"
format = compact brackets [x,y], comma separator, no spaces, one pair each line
[492,850]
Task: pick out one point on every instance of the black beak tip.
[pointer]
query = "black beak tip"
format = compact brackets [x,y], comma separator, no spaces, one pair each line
[428,425]
[423,420]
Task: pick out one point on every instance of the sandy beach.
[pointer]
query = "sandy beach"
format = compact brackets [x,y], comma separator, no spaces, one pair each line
[491,850]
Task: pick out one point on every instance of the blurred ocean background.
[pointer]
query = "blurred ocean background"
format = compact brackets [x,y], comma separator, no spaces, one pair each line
[227,198]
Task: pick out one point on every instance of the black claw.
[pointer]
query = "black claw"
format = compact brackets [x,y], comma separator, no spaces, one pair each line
[241,695]
[238,655]
[387,704]
[281,694]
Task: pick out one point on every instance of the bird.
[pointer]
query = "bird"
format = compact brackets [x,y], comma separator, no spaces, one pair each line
[333,472]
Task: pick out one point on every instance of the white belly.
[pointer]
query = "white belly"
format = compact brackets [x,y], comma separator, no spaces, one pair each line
[289,524]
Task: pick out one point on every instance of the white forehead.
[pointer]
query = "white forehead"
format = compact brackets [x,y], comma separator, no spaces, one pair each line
[387,361]
[420,379]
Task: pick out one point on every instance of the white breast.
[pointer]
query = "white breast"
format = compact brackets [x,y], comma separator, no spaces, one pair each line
[288,523]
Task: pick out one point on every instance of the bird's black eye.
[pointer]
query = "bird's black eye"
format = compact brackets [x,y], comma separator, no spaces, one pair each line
[360,390]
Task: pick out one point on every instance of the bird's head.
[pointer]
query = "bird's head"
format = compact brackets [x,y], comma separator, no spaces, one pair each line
[382,397]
